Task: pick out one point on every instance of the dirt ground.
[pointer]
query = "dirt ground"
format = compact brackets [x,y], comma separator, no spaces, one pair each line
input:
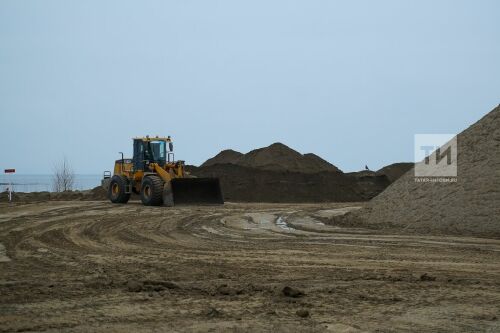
[83,266]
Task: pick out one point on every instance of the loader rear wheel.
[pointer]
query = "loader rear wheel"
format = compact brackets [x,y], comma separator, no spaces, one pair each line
[117,189]
[152,191]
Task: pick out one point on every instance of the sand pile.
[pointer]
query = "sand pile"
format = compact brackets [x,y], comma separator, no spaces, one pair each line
[244,184]
[280,174]
[469,206]
[276,157]
[97,193]
[227,156]
[279,157]
[394,171]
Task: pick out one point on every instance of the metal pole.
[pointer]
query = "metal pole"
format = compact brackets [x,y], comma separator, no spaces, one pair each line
[10,189]
[10,179]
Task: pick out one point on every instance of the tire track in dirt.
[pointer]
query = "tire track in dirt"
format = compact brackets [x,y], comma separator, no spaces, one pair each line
[71,263]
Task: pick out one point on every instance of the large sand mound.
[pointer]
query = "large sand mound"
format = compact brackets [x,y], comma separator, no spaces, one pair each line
[278,173]
[279,157]
[469,206]
[276,157]
[244,184]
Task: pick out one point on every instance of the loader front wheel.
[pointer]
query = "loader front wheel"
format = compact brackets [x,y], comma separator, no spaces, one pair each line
[152,191]
[117,189]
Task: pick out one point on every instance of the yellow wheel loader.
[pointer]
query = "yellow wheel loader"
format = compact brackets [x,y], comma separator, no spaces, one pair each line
[160,180]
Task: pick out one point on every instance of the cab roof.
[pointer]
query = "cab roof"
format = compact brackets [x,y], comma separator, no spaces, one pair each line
[154,138]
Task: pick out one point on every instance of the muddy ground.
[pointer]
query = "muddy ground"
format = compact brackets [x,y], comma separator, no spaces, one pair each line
[93,266]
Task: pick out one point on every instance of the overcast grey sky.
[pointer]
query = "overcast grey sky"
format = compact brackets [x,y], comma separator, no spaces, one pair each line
[351,81]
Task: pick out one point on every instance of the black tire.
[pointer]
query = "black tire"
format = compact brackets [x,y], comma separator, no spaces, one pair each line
[116,190]
[152,191]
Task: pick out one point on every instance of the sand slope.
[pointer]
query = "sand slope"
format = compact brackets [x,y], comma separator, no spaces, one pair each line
[470,206]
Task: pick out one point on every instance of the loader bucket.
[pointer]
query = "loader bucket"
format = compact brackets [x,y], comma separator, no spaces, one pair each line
[197,191]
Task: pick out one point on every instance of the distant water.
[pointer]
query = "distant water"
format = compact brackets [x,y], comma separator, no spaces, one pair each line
[38,183]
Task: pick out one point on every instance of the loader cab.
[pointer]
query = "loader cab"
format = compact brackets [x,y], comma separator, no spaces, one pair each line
[151,151]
